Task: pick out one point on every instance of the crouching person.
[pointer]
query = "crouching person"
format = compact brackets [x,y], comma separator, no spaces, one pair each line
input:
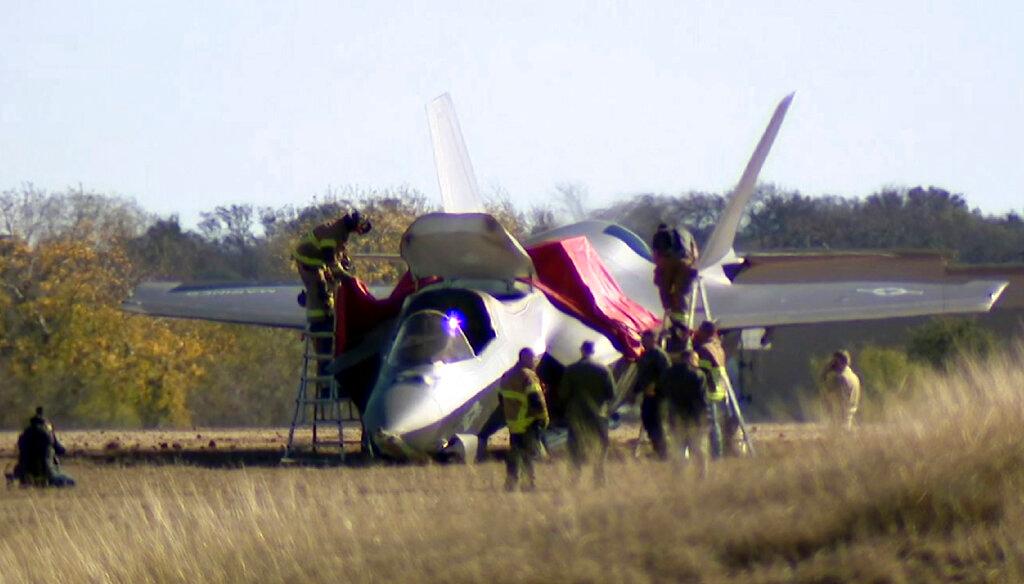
[38,449]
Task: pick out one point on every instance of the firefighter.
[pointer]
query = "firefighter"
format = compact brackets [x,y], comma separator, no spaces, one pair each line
[587,390]
[320,257]
[711,358]
[652,363]
[526,413]
[841,390]
[320,254]
[674,274]
[38,449]
[685,388]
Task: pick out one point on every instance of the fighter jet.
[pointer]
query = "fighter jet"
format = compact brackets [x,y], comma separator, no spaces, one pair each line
[423,364]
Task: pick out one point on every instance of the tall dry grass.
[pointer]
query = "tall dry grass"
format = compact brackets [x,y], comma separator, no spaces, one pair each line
[933,494]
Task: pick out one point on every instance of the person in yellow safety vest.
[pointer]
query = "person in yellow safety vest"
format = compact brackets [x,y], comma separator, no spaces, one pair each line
[587,389]
[674,274]
[711,354]
[841,391]
[526,412]
[318,255]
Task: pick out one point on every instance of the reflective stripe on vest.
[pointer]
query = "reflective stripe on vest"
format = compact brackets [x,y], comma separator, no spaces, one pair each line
[308,261]
[316,313]
[718,376]
[521,423]
[309,240]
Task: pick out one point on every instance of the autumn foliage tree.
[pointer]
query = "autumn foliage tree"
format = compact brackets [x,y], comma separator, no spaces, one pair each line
[64,343]
[68,259]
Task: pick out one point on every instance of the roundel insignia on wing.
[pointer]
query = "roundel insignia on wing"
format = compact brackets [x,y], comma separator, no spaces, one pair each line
[890,291]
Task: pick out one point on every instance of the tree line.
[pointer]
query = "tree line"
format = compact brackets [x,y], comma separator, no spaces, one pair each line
[68,259]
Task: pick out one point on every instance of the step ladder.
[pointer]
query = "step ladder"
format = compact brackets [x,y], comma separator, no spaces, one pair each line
[699,292]
[731,402]
[319,402]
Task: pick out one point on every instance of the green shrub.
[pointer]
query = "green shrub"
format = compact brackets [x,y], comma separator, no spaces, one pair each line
[943,339]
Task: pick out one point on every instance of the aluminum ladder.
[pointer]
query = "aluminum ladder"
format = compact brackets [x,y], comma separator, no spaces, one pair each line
[318,401]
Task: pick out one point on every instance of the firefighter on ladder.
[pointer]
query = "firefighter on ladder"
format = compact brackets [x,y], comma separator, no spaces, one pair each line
[321,259]
[674,273]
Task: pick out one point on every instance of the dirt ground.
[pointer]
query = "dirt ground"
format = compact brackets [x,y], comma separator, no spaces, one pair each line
[217,447]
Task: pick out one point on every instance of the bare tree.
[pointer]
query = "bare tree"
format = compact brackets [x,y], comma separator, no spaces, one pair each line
[573,197]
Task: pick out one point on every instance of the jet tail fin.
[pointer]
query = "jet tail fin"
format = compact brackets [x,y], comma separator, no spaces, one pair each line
[459,191]
[720,244]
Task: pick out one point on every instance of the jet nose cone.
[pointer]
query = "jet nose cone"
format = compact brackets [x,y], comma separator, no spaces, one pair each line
[397,416]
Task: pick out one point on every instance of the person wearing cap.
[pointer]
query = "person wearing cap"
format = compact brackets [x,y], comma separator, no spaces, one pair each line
[521,399]
[587,390]
[38,449]
[841,394]
[650,366]
[674,273]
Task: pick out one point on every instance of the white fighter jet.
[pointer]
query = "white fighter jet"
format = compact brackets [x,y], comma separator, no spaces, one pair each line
[425,374]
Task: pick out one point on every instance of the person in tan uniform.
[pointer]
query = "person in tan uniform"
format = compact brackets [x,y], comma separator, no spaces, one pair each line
[526,414]
[674,273]
[711,358]
[841,395]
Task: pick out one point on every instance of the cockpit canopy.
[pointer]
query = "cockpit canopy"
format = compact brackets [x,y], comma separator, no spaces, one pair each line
[428,337]
[442,326]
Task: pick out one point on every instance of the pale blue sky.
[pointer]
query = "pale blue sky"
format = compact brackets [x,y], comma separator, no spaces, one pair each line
[185,105]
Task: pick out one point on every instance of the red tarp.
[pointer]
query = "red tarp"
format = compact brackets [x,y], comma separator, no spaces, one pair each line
[573,276]
[569,272]
[357,311]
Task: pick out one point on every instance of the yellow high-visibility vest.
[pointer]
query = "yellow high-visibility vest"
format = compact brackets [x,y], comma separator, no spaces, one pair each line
[311,244]
[521,421]
[718,379]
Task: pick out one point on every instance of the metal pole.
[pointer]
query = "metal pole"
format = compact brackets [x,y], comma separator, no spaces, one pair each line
[728,383]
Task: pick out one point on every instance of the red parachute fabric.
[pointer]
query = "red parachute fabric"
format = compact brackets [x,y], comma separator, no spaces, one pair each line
[357,311]
[569,272]
[572,275]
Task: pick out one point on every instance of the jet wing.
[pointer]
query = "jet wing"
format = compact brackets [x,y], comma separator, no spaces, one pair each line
[765,305]
[273,305]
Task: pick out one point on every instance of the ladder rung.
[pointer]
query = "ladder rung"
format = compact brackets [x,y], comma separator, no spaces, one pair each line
[318,378]
[332,407]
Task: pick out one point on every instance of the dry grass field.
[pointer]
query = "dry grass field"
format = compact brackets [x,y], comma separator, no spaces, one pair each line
[935,494]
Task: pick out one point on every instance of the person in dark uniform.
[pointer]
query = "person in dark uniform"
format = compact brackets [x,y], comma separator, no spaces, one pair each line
[38,449]
[652,363]
[685,389]
[587,389]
